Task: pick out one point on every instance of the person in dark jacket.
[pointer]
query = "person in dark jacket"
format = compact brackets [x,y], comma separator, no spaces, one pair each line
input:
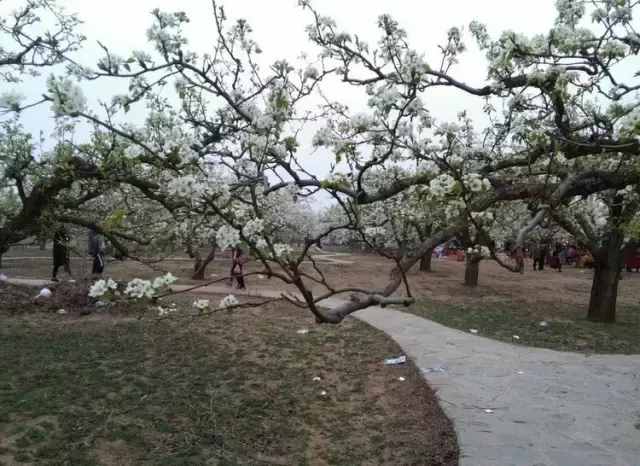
[96,250]
[238,259]
[60,252]
[540,256]
[555,262]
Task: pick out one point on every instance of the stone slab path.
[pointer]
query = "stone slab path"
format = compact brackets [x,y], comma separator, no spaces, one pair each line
[516,405]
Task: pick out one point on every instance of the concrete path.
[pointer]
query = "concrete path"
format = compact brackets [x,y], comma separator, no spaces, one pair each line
[545,407]
[516,405]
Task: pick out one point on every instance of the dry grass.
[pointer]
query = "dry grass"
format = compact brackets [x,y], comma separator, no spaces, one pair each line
[233,389]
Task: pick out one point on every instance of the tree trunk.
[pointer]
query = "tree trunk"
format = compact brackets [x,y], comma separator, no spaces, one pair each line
[471,272]
[607,264]
[425,261]
[201,264]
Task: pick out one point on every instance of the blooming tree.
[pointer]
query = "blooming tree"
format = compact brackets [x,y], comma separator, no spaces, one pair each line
[562,122]
[603,224]
[36,35]
[563,111]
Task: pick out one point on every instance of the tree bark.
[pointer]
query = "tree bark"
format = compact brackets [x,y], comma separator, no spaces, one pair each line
[3,251]
[201,264]
[607,264]
[471,272]
[425,261]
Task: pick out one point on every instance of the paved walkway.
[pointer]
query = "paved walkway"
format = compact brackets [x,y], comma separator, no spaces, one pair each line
[548,408]
[516,405]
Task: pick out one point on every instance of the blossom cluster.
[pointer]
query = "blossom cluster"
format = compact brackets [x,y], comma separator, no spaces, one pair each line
[102,287]
[479,251]
[475,182]
[227,237]
[67,97]
[226,302]
[442,184]
[136,288]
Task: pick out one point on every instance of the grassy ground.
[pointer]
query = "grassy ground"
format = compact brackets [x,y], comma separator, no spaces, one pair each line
[567,328]
[233,389]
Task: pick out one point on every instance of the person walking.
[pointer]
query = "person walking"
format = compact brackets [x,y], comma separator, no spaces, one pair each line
[572,254]
[96,250]
[556,263]
[534,255]
[540,256]
[563,254]
[60,253]
[238,259]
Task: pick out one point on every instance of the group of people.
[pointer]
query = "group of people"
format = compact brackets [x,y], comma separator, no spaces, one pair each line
[61,250]
[96,249]
[556,257]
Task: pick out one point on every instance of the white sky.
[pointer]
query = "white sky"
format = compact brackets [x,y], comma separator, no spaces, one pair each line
[279,30]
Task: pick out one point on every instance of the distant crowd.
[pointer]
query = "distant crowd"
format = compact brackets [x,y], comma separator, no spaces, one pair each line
[557,255]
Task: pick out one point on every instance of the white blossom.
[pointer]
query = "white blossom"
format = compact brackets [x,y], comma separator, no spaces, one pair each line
[282,250]
[253,228]
[228,301]
[11,100]
[66,96]
[102,287]
[133,151]
[138,288]
[442,184]
[323,137]
[186,186]
[227,237]
[164,281]
[311,72]
[201,304]
[475,182]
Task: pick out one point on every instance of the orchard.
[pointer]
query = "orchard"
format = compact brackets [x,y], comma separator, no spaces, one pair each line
[220,151]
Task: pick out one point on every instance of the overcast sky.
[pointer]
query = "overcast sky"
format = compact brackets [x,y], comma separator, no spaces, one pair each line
[279,29]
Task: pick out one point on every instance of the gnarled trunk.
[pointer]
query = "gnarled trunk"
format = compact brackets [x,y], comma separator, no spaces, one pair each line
[607,264]
[471,271]
[425,261]
[200,265]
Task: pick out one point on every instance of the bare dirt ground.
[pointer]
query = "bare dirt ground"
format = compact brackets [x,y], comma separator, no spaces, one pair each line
[571,286]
